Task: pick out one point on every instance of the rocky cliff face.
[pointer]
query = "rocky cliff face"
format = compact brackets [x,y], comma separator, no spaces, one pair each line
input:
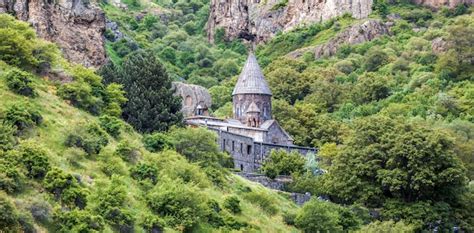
[75,25]
[353,35]
[436,4]
[258,20]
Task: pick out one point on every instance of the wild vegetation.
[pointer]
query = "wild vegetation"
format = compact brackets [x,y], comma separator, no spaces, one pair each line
[392,118]
[69,163]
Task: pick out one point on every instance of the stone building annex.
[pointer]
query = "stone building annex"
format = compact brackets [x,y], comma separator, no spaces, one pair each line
[251,134]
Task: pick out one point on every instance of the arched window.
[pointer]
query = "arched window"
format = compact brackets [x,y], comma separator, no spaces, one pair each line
[188,101]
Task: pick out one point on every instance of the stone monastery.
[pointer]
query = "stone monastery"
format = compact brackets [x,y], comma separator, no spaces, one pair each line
[251,134]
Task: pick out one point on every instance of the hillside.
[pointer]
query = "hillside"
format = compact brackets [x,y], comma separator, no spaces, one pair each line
[107,183]
[386,94]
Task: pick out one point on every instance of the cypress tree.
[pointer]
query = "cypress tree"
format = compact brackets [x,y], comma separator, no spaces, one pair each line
[151,104]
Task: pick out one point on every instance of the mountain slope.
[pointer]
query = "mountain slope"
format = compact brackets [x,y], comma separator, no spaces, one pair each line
[50,182]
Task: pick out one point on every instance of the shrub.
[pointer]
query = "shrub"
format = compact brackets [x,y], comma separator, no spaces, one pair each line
[266,202]
[111,202]
[318,216]
[289,218]
[80,94]
[111,125]
[56,181]
[214,217]
[375,58]
[127,152]
[157,142]
[8,215]
[152,223]
[74,197]
[35,160]
[344,66]
[41,211]
[232,204]
[23,116]
[181,206]
[92,139]
[232,223]
[11,177]
[77,221]
[20,82]
[7,139]
[144,171]
[387,226]
[111,165]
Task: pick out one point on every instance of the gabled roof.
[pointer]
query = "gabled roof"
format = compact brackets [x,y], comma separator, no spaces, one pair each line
[251,79]
[253,108]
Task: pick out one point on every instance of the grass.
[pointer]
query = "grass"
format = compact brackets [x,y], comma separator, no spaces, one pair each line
[60,118]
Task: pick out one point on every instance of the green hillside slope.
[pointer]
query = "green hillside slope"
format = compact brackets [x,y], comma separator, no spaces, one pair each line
[61,170]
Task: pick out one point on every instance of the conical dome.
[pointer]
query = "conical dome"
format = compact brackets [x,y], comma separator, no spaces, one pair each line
[251,79]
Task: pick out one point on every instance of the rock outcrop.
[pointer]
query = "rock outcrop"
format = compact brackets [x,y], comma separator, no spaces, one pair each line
[76,26]
[194,98]
[258,21]
[353,35]
[437,4]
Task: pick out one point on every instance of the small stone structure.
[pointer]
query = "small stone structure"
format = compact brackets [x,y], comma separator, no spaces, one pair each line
[196,99]
[251,134]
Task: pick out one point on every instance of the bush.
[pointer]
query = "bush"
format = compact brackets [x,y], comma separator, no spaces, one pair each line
[8,215]
[80,95]
[12,178]
[7,139]
[77,221]
[91,139]
[111,165]
[157,142]
[56,181]
[111,202]
[375,58]
[111,125]
[127,152]
[265,201]
[289,218]
[35,160]
[144,171]
[232,204]
[20,82]
[318,216]
[387,227]
[181,206]
[152,223]
[23,116]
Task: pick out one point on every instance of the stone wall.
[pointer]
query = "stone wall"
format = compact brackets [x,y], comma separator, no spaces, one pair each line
[249,155]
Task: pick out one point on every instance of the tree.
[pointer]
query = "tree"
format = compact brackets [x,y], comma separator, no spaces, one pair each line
[198,145]
[282,163]
[385,159]
[152,105]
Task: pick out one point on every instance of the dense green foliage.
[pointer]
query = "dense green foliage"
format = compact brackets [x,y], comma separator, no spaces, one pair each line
[282,163]
[151,104]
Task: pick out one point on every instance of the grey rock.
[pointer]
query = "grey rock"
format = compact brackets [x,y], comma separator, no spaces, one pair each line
[353,35]
[76,26]
[193,96]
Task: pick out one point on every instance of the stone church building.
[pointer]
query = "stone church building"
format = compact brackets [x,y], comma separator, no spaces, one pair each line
[252,132]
